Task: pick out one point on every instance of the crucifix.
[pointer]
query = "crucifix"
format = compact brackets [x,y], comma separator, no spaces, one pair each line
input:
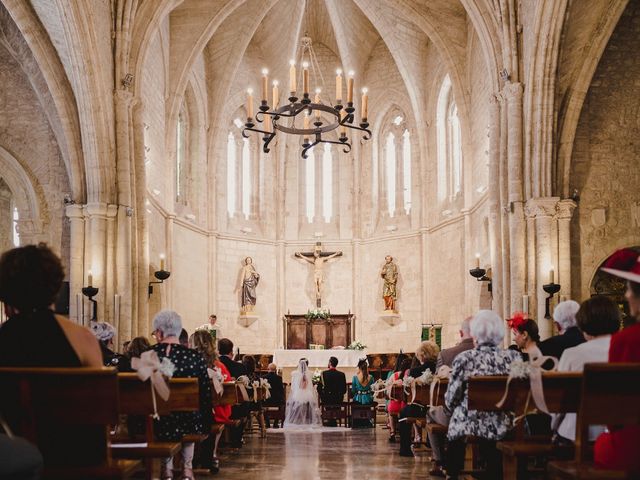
[317,258]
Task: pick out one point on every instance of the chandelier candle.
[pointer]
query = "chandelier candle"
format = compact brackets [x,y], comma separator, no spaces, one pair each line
[350,87]
[306,127]
[338,87]
[365,104]
[292,78]
[265,85]
[305,79]
[317,100]
[250,103]
[276,95]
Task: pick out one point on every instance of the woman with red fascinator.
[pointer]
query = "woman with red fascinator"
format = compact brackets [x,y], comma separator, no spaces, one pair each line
[525,335]
[618,448]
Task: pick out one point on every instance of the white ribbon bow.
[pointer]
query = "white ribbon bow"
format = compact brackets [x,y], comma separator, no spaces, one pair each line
[242,382]
[215,374]
[434,390]
[149,367]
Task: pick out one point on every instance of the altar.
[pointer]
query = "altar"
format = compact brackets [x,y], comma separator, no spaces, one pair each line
[300,332]
[287,360]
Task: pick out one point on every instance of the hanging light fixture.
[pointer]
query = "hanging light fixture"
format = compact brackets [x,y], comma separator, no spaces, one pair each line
[273,118]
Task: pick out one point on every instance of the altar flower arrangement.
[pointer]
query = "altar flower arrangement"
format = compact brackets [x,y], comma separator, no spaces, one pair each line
[356,346]
[316,379]
[318,313]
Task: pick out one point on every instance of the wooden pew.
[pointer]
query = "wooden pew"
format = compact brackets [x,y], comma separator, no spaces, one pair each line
[229,395]
[610,395]
[562,394]
[66,412]
[185,397]
[135,399]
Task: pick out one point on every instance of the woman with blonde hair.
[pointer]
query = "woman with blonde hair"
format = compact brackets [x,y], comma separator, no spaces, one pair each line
[204,343]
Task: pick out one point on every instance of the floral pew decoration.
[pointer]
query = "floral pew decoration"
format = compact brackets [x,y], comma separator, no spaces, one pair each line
[217,379]
[243,383]
[532,369]
[149,367]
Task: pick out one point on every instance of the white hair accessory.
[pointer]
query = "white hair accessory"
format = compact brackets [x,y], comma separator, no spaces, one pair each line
[103,331]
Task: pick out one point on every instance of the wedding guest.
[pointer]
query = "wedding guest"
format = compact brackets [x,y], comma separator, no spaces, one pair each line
[426,356]
[525,336]
[184,338]
[202,341]
[167,326]
[446,356]
[598,318]
[236,369]
[618,449]
[564,316]
[277,387]
[361,390]
[104,333]
[332,387]
[403,362]
[487,358]
[33,336]
[439,414]
[137,346]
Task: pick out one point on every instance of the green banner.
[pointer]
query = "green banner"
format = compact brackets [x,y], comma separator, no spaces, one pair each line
[433,333]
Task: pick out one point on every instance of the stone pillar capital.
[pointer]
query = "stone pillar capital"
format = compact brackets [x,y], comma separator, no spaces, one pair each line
[541,207]
[96,209]
[565,208]
[112,211]
[74,211]
[125,97]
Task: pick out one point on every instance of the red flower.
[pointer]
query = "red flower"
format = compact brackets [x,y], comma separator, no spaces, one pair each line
[624,259]
[519,318]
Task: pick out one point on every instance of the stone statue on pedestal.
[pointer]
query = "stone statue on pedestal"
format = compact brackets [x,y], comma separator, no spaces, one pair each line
[249,279]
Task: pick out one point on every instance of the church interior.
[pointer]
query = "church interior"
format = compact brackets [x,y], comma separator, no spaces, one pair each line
[325,179]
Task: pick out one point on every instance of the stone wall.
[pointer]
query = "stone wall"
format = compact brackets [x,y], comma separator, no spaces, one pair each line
[606,157]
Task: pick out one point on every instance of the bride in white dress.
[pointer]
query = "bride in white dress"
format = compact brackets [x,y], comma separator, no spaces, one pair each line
[302,404]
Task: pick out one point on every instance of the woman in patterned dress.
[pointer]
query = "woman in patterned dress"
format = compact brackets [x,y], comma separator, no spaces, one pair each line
[486,358]
[189,363]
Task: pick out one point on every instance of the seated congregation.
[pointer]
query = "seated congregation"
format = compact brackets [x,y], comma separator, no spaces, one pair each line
[468,404]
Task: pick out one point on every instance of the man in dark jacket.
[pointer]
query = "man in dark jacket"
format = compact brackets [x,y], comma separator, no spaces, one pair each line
[446,356]
[333,385]
[564,317]
[236,369]
[277,391]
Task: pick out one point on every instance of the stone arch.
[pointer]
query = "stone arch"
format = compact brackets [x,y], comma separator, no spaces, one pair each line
[28,195]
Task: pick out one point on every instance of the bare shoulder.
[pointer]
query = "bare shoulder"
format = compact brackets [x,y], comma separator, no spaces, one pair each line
[83,342]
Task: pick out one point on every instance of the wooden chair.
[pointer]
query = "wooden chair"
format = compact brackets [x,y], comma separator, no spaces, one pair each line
[276,412]
[358,411]
[338,412]
[610,396]
[135,399]
[66,412]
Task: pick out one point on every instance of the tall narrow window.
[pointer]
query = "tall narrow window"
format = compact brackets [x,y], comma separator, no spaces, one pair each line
[455,152]
[327,183]
[391,172]
[231,175]
[441,133]
[406,170]
[310,184]
[181,154]
[246,177]
[14,224]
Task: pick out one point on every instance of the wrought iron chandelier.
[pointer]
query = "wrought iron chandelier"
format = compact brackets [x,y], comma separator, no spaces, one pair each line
[274,117]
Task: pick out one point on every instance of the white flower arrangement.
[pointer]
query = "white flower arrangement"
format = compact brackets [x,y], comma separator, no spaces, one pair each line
[356,346]
[519,369]
[166,367]
[318,313]
[317,377]
[426,378]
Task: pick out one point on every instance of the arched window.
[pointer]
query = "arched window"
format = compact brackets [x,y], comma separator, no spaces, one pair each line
[390,168]
[327,183]
[181,157]
[406,170]
[449,137]
[394,175]
[310,184]
[231,175]
[16,235]
[242,174]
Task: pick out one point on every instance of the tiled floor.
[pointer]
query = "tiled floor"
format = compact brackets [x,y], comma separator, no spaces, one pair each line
[353,454]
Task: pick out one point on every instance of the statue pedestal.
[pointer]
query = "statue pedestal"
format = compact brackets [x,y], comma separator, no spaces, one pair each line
[247,319]
[391,317]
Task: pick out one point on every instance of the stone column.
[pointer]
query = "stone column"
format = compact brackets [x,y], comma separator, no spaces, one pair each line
[6,219]
[76,261]
[543,211]
[399,210]
[239,148]
[318,153]
[168,290]
[255,179]
[495,236]
[517,226]
[281,299]
[565,212]
[96,238]
[110,276]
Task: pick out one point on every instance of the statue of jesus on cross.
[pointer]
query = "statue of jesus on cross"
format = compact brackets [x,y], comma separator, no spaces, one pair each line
[317,258]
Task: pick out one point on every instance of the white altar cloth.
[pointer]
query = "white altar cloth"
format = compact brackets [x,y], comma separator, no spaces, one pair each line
[317,358]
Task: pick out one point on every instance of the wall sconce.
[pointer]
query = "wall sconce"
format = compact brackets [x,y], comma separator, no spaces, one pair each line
[480,274]
[91,292]
[161,275]
[551,288]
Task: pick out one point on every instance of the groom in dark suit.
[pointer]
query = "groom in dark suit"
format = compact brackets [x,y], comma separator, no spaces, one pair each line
[333,386]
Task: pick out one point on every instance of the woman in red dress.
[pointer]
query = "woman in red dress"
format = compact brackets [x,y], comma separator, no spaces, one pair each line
[618,448]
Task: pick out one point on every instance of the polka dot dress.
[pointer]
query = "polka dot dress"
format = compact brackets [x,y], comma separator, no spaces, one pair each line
[188,363]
